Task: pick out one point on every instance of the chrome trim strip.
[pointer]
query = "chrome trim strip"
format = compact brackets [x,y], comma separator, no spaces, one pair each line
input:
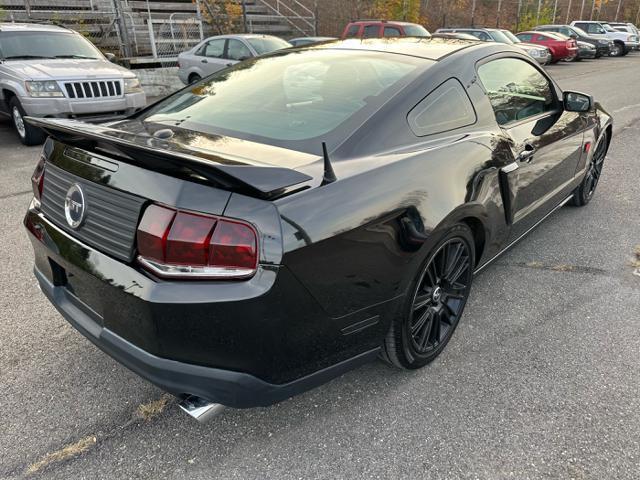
[512,167]
[186,271]
[557,207]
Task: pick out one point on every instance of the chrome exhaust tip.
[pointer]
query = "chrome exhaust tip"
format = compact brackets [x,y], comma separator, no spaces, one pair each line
[200,409]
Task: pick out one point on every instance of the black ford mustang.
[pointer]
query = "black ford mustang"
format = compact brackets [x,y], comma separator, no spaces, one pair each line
[291,217]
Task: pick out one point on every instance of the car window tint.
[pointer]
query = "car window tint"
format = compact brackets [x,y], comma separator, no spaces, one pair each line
[371,31]
[516,89]
[353,31]
[236,50]
[213,48]
[391,32]
[287,98]
[446,108]
[480,35]
[525,37]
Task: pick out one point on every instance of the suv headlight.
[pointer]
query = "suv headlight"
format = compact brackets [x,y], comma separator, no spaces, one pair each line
[132,85]
[43,89]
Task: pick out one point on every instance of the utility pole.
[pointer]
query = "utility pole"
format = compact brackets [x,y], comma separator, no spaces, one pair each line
[498,16]
[618,11]
[568,12]
[244,17]
[518,15]
[473,13]
[538,14]
[555,9]
[593,9]
[582,10]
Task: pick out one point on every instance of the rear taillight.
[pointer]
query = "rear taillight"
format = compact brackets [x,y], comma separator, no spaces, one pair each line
[182,244]
[37,179]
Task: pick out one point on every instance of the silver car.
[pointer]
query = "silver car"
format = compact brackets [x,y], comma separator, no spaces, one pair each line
[50,71]
[216,53]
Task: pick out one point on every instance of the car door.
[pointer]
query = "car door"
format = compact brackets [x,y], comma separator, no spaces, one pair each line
[546,141]
[212,56]
[237,51]
[372,30]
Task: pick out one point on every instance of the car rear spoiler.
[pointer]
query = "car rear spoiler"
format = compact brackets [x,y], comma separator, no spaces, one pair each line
[261,181]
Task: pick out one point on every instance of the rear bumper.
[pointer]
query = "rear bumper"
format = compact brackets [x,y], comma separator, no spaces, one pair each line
[229,388]
[240,344]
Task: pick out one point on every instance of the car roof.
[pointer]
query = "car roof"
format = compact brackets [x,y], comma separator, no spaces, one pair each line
[391,22]
[32,27]
[423,47]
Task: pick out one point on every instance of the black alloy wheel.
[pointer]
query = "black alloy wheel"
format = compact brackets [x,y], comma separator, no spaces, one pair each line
[584,193]
[436,302]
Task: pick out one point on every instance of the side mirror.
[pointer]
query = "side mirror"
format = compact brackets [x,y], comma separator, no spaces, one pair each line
[577,102]
[110,56]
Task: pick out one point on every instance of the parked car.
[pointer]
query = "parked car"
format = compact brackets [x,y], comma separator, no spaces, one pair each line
[541,54]
[222,51]
[560,46]
[626,27]
[383,28]
[241,242]
[623,42]
[585,51]
[299,42]
[50,71]
[601,42]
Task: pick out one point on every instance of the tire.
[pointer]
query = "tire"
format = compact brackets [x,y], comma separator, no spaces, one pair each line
[193,78]
[584,193]
[617,50]
[28,134]
[435,302]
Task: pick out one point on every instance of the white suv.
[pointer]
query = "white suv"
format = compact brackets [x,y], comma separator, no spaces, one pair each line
[623,42]
[49,71]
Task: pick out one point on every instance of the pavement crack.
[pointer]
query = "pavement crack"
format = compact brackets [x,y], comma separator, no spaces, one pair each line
[65,453]
[560,267]
[15,194]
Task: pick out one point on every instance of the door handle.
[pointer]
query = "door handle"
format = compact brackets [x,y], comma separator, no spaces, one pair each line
[204,60]
[527,154]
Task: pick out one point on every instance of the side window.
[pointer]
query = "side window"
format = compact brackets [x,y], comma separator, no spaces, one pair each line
[371,31]
[391,32]
[236,50]
[446,108]
[480,35]
[525,37]
[516,89]
[566,31]
[213,48]
[353,31]
[583,26]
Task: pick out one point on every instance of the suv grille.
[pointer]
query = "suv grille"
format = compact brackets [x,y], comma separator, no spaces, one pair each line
[94,89]
[111,219]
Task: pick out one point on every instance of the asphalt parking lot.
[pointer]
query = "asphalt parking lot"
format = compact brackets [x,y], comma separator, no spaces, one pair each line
[541,380]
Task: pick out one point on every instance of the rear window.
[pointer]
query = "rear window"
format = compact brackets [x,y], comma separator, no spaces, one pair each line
[264,45]
[289,99]
[415,31]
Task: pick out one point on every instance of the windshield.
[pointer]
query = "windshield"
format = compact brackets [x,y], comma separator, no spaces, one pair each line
[289,98]
[26,45]
[500,37]
[580,32]
[416,31]
[511,36]
[264,45]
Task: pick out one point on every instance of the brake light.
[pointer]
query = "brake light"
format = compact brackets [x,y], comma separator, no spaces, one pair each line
[37,179]
[180,244]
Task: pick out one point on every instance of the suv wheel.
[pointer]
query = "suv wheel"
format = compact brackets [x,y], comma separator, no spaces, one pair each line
[29,135]
[617,50]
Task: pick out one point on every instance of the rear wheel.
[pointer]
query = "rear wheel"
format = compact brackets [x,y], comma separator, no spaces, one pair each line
[433,308]
[194,77]
[29,135]
[584,193]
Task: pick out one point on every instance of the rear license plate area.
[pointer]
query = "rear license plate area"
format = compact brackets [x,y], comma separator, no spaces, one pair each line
[81,289]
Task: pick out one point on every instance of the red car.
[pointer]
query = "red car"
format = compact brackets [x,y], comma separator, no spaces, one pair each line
[560,46]
[383,28]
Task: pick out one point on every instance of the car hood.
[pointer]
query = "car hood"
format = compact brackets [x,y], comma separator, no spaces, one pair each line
[66,69]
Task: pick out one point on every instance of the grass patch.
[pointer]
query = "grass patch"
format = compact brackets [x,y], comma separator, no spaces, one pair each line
[153,408]
[65,453]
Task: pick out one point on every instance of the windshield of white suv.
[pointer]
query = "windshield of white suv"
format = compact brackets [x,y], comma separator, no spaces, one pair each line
[37,45]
